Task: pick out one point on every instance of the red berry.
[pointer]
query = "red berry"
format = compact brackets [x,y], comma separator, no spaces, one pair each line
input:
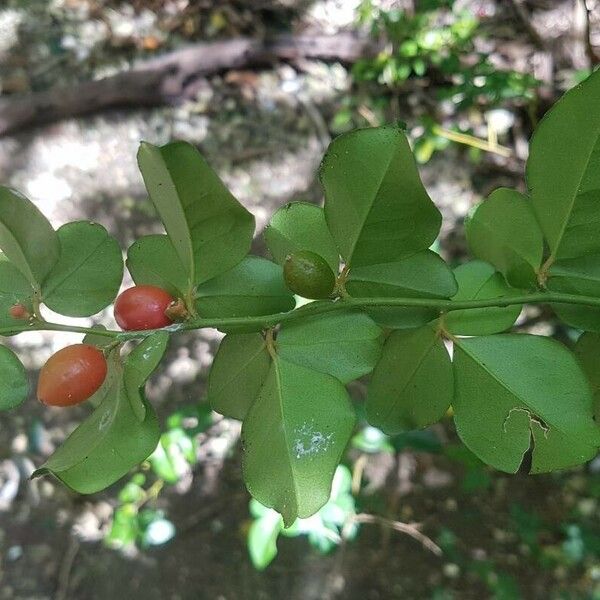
[18,311]
[143,307]
[71,375]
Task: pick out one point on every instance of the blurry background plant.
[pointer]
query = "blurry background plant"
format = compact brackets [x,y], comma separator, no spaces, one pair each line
[469,78]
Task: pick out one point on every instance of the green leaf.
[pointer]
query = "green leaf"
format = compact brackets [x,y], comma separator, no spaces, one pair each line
[87,276]
[99,340]
[587,351]
[152,260]
[139,366]
[253,287]
[375,204]
[26,237]
[301,226]
[516,391]
[307,418]
[238,371]
[262,539]
[563,171]
[210,230]
[423,275]
[109,443]
[14,386]
[412,385]
[14,289]
[346,346]
[579,276]
[503,231]
[478,280]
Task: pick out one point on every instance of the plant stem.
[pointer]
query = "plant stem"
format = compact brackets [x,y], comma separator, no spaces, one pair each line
[322,307]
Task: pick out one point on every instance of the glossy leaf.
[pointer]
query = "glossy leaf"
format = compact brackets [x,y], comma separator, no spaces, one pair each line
[301,226]
[238,372]
[307,418]
[503,231]
[375,204]
[587,351]
[346,346]
[478,280]
[412,385]
[26,237]
[87,276]
[422,275]
[14,289]
[210,230]
[96,339]
[14,385]
[253,287]
[579,276]
[109,443]
[563,171]
[516,391]
[152,260]
[139,366]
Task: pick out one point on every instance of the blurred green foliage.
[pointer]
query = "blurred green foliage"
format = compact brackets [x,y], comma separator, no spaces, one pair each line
[436,47]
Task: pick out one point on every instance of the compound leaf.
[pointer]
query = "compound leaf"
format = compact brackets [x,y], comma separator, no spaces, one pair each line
[301,226]
[87,276]
[210,230]
[26,237]
[503,231]
[517,391]
[478,280]
[238,372]
[563,172]
[110,442]
[152,260]
[293,438]
[412,385]
[14,385]
[346,345]
[375,204]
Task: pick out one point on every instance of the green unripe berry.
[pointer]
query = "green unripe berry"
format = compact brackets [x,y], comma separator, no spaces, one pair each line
[308,275]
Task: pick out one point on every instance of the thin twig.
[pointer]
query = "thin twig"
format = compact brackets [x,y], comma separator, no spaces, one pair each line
[470,140]
[410,529]
[64,575]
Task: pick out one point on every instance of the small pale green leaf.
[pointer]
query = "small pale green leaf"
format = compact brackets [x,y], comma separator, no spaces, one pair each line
[109,443]
[375,204]
[503,231]
[423,275]
[301,226]
[97,339]
[253,287]
[587,351]
[152,260]
[563,171]
[14,385]
[412,385]
[140,364]
[478,280]
[346,346]
[210,230]
[579,276]
[516,391]
[26,237]
[14,289]
[293,438]
[238,372]
[262,539]
[88,273]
